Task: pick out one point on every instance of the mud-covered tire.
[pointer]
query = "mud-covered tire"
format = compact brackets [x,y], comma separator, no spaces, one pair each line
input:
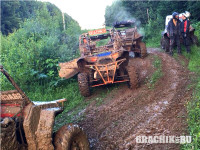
[8,135]
[133,82]
[194,40]
[143,49]
[83,84]
[70,137]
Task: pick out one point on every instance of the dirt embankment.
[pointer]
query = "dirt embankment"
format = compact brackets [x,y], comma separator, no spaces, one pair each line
[127,113]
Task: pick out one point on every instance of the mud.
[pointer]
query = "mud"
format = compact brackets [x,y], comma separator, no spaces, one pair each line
[127,113]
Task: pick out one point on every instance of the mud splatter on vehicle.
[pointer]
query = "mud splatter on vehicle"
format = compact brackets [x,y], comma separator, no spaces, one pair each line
[29,125]
[107,63]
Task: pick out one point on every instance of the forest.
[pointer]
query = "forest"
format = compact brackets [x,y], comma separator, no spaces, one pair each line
[34,41]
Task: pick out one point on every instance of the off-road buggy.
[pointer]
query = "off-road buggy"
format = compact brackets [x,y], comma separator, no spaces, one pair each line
[130,39]
[106,64]
[164,42]
[29,125]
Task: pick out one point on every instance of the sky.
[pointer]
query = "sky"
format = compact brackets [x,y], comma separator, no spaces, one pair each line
[88,13]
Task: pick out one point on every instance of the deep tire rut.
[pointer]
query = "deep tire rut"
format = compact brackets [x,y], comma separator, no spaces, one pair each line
[129,113]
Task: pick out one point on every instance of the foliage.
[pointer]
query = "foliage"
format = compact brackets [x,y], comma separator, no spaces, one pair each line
[144,11]
[197,29]
[9,20]
[32,53]
[152,39]
[193,106]
[13,13]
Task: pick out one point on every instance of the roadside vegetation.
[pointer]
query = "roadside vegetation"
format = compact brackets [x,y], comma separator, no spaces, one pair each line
[157,73]
[193,106]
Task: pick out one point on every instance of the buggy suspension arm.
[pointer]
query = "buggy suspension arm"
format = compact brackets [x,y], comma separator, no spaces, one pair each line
[106,69]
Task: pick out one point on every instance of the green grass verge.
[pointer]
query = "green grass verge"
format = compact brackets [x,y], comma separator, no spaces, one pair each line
[157,73]
[193,106]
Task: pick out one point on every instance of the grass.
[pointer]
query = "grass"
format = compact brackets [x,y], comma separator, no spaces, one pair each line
[193,106]
[157,74]
[181,61]
[75,105]
[74,113]
[155,41]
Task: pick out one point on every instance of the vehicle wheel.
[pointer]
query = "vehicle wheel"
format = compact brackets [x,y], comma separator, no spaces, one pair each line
[70,137]
[143,49]
[83,84]
[133,78]
[162,44]
[8,135]
[195,40]
[165,44]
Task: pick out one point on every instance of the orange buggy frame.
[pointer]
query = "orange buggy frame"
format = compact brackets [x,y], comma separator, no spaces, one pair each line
[105,69]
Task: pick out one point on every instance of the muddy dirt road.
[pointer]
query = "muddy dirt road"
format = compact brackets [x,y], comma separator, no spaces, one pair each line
[127,113]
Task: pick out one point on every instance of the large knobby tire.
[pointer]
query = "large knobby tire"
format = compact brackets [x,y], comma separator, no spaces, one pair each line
[133,78]
[71,137]
[83,84]
[143,49]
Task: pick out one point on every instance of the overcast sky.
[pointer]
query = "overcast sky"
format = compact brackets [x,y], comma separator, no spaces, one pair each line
[88,13]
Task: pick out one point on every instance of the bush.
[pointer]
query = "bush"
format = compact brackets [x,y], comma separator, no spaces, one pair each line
[193,106]
[32,53]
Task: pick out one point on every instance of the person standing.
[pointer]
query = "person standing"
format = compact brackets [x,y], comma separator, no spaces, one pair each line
[173,31]
[185,27]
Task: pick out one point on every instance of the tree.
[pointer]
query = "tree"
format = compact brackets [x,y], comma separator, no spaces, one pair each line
[33,51]
[9,19]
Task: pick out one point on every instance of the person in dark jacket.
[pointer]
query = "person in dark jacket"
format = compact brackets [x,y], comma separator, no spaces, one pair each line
[185,27]
[173,31]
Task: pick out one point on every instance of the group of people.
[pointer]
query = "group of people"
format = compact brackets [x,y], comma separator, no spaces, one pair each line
[177,29]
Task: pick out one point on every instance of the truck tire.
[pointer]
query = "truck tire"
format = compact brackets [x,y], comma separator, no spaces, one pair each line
[143,49]
[133,78]
[70,137]
[83,84]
